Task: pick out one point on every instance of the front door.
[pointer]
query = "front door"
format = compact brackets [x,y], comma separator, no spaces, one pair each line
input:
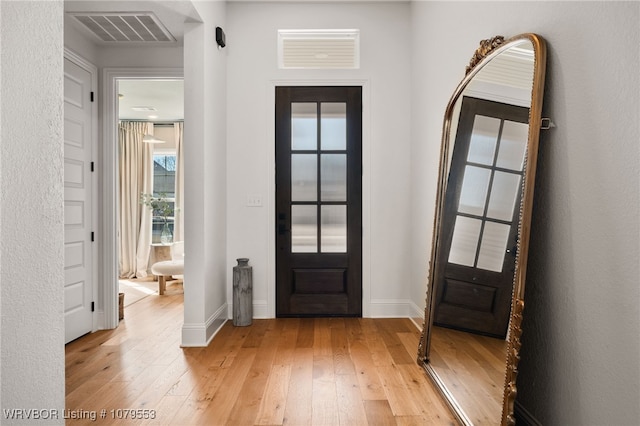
[475,278]
[318,201]
[78,253]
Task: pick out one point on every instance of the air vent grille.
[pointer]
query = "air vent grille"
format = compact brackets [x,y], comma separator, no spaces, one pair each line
[125,27]
[513,67]
[319,49]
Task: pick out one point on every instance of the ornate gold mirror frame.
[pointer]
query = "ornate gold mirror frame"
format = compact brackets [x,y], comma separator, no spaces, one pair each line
[491,51]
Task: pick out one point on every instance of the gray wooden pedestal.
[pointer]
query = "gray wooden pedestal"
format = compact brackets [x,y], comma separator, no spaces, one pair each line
[242,293]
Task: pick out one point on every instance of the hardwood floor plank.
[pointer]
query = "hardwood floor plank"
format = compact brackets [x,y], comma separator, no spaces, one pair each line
[287,341]
[398,394]
[298,409]
[168,406]
[350,404]
[200,398]
[366,372]
[185,384]
[429,404]
[225,353]
[413,420]
[246,407]
[162,385]
[342,362]
[256,333]
[410,343]
[377,348]
[306,333]
[379,413]
[322,338]
[324,405]
[219,409]
[388,331]
[478,383]
[306,371]
[273,403]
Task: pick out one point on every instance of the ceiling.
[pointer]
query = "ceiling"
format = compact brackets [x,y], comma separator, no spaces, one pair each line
[163,99]
[172,14]
[166,97]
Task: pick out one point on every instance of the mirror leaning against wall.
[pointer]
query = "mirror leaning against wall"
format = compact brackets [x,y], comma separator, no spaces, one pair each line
[470,345]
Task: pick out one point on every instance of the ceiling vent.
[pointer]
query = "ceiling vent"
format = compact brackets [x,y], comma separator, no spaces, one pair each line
[513,67]
[125,27]
[319,49]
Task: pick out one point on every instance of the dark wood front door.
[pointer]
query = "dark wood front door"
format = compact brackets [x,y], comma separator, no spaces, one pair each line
[474,276]
[318,201]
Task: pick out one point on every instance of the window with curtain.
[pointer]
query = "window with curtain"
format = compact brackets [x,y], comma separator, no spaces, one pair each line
[148,168]
[164,186]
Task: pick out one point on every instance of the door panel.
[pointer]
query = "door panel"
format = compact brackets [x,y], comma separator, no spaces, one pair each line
[318,201]
[78,285]
[475,278]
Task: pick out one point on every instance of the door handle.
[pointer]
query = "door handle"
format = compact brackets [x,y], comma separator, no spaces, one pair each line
[282,229]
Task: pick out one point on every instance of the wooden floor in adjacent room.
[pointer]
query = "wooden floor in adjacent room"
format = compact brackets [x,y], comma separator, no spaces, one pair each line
[315,371]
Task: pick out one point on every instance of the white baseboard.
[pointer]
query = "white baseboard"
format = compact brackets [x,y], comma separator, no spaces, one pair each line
[378,308]
[260,310]
[98,321]
[416,312]
[200,334]
[383,308]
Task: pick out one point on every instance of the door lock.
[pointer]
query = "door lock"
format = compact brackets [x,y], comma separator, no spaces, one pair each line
[282,229]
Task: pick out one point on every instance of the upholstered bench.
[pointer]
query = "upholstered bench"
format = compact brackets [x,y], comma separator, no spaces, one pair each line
[168,268]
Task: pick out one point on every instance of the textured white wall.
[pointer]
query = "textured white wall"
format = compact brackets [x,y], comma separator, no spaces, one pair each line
[205,177]
[385,69]
[31,213]
[581,322]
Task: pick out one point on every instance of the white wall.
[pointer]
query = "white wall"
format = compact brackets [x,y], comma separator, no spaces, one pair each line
[110,57]
[79,42]
[31,158]
[581,323]
[150,57]
[385,71]
[205,156]
[205,177]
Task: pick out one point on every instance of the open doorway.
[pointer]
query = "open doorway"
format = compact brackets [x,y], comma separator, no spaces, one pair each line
[150,227]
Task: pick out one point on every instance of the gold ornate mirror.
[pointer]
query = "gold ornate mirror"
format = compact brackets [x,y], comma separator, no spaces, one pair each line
[475,295]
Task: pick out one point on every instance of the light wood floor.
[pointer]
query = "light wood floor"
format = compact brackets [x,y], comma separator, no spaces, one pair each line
[338,371]
[473,368]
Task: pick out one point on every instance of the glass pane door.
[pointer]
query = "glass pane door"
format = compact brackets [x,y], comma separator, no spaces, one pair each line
[318,177]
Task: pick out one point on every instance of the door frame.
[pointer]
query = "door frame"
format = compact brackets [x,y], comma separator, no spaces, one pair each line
[108,238]
[95,217]
[267,309]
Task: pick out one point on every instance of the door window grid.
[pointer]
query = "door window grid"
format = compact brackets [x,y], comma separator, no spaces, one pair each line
[164,183]
[481,231]
[319,203]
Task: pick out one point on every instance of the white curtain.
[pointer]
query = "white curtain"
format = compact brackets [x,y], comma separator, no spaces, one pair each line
[136,177]
[178,225]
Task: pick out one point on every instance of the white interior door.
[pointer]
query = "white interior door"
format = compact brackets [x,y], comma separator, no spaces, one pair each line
[78,258]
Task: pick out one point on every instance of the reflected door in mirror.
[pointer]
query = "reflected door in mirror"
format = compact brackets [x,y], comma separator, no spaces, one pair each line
[477,262]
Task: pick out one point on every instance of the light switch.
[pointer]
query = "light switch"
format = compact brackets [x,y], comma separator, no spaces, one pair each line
[254,201]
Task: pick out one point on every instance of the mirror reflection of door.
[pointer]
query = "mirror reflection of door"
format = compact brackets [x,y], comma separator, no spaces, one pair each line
[475,276]
[318,201]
